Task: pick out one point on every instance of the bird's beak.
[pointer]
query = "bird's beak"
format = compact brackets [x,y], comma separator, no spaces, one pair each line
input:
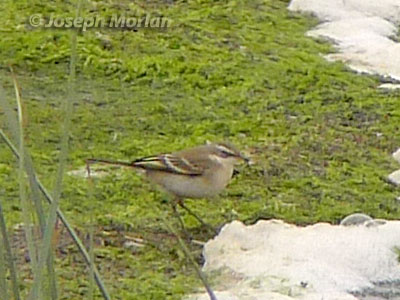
[245,159]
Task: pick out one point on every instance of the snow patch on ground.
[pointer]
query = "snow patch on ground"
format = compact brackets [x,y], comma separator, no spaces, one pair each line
[363,30]
[275,260]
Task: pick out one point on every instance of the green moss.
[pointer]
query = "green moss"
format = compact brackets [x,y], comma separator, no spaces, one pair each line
[321,135]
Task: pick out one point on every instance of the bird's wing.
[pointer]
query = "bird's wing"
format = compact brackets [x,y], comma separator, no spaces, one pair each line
[169,163]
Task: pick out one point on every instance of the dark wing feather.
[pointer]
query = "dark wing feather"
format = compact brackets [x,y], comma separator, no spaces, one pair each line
[168,163]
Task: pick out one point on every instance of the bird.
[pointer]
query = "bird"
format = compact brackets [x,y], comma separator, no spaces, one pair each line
[199,172]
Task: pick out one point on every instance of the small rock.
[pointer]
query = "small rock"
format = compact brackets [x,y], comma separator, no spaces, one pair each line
[389,86]
[396,155]
[132,245]
[395,177]
[356,219]
[376,222]
[82,172]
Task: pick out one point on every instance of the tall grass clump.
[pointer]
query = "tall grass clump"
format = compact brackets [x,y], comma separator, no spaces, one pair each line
[39,222]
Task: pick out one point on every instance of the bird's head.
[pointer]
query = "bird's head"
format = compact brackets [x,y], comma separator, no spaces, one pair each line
[226,152]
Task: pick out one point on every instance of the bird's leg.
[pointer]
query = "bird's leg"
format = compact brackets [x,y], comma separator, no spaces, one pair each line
[178,216]
[200,220]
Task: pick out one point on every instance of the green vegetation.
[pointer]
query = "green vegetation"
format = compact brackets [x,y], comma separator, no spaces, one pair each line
[244,71]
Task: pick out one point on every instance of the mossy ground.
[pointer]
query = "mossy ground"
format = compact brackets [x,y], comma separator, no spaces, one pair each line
[244,71]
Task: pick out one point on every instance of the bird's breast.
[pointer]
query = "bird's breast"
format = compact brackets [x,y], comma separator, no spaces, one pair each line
[202,186]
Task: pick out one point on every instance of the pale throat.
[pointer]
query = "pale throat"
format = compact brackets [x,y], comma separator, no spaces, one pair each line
[223,162]
[216,158]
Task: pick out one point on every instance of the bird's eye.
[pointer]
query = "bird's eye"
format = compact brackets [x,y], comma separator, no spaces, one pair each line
[225,154]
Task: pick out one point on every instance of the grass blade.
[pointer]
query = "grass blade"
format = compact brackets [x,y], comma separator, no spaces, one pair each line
[26,205]
[14,129]
[45,248]
[91,234]
[3,258]
[190,257]
[65,222]
[9,256]
[3,281]
[35,191]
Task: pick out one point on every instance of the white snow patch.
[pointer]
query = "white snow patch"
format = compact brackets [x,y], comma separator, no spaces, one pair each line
[275,260]
[363,31]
